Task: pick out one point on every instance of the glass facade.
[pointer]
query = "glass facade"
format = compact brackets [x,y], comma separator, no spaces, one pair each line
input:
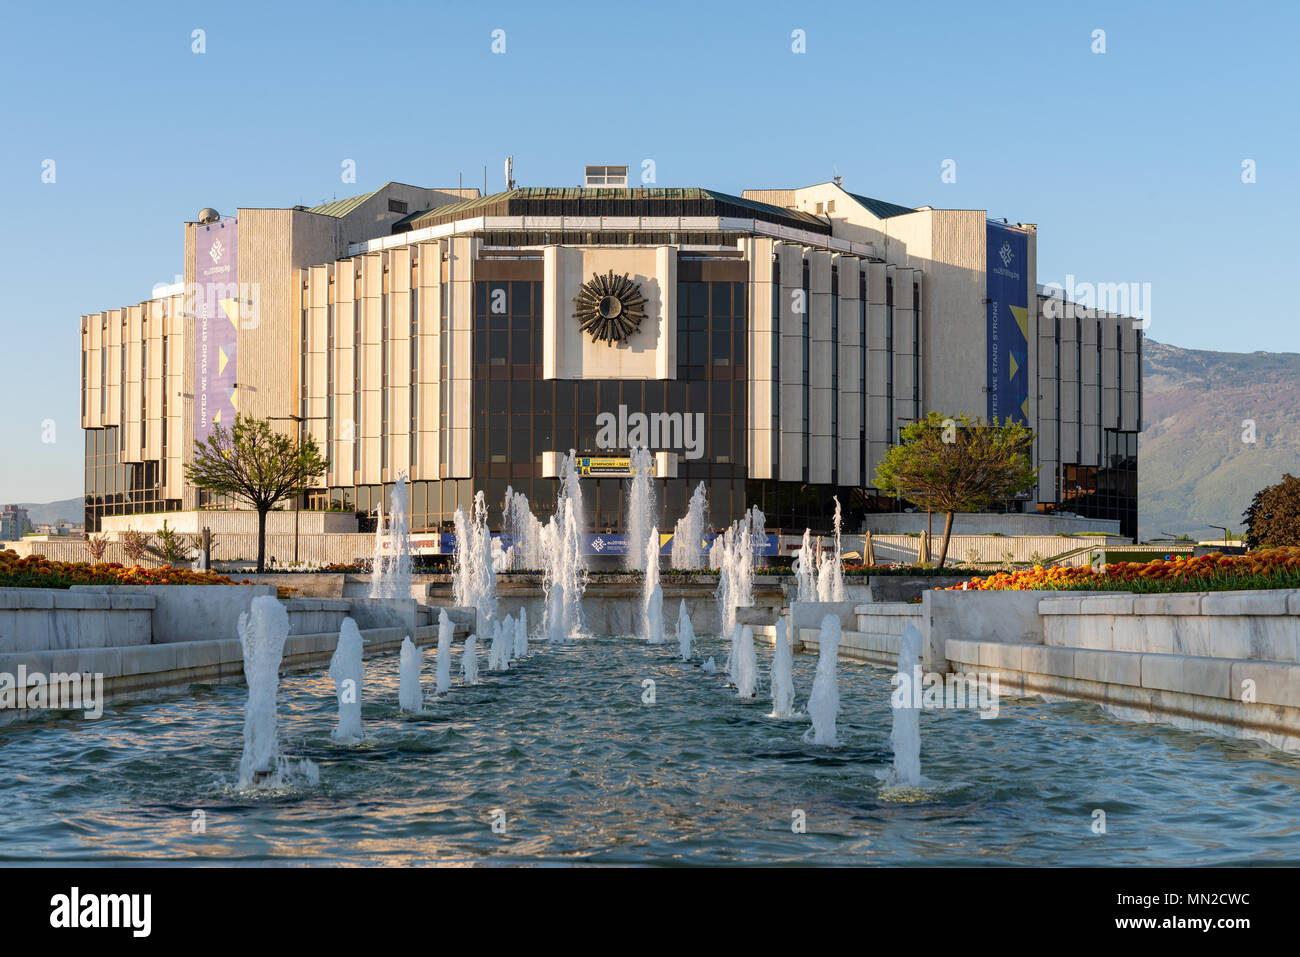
[519,415]
[114,487]
[1110,490]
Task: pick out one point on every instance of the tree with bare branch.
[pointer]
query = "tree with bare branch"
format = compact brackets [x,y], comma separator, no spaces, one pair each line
[253,462]
[135,544]
[97,545]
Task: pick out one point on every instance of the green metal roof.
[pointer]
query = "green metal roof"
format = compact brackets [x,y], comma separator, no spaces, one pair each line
[531,200]
[341,207]
[881,209]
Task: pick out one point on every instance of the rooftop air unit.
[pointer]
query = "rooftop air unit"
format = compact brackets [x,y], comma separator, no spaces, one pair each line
[605,176]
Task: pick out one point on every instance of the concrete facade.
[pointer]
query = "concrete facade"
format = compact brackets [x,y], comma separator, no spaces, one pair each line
[364,322]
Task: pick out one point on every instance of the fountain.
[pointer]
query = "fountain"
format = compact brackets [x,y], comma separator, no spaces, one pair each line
[782,679]
[346,669]
[521,634]
[732,645]
[503,637]
[262,631]
[444,652]
[469,661]
[521,528]
[830,577]
[390,568]
[744,665]
[688,533]
[653,604]
[709,667]
[474,580]
[805,569]
[553,614]
[905,737]
[409,698]
[685,633]
[378,555]
[824,703]
[736,566]
[566,569]
[640,508]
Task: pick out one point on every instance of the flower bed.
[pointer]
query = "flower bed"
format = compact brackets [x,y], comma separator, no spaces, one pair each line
[898,568]
[1268,568]
[37,571]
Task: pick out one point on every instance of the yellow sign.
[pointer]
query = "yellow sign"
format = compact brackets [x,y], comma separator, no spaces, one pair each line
[610,466]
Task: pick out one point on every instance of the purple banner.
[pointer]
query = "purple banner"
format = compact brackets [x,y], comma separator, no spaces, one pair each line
[216,325]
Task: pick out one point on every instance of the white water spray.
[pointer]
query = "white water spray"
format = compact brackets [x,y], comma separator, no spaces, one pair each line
[410,663]
[830,576]
[444,652]
[905,737]
[688,533]
[347,671]
[782,679]
[469,661]
[640,507]
[744,667]
[805,569]
[521,528]
[503,637]
[685,632]
[652,606]
[736,566]
[473,576]
[566,569]
[824,703]
[390,568]
[262,632]
[521,634]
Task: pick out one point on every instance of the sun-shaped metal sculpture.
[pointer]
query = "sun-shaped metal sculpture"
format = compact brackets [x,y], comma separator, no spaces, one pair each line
[610,308]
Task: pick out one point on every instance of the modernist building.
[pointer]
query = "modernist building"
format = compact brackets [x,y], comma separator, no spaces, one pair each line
[770,345]
[13,522]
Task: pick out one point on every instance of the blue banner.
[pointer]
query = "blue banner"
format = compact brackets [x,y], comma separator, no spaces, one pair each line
[1008,324]
[216,325]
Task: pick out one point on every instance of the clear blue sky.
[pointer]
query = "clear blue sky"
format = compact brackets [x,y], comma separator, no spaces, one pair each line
[1128,161]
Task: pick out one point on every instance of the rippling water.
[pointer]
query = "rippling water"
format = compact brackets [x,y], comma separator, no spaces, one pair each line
[586,773]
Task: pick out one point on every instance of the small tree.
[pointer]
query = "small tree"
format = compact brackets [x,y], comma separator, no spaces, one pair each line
[1273,518]
[135,544]
[253,462]
[957,464]
[172,545]
[97,545]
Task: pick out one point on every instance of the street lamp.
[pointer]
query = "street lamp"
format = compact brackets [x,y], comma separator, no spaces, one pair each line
[300,419]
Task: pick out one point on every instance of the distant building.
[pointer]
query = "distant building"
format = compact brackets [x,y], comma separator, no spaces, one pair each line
[13,523]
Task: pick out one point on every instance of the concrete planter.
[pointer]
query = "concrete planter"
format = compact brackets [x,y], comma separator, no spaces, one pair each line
[190,612]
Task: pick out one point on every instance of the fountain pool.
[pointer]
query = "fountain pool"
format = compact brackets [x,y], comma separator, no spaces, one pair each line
[588,773]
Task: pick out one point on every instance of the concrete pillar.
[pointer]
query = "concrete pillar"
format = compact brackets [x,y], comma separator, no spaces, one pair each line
[849,397]
[793,302]
[819,368]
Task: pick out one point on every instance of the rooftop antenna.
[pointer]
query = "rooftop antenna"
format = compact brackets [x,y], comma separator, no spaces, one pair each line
[485,192]
[839,180]
[510,172]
